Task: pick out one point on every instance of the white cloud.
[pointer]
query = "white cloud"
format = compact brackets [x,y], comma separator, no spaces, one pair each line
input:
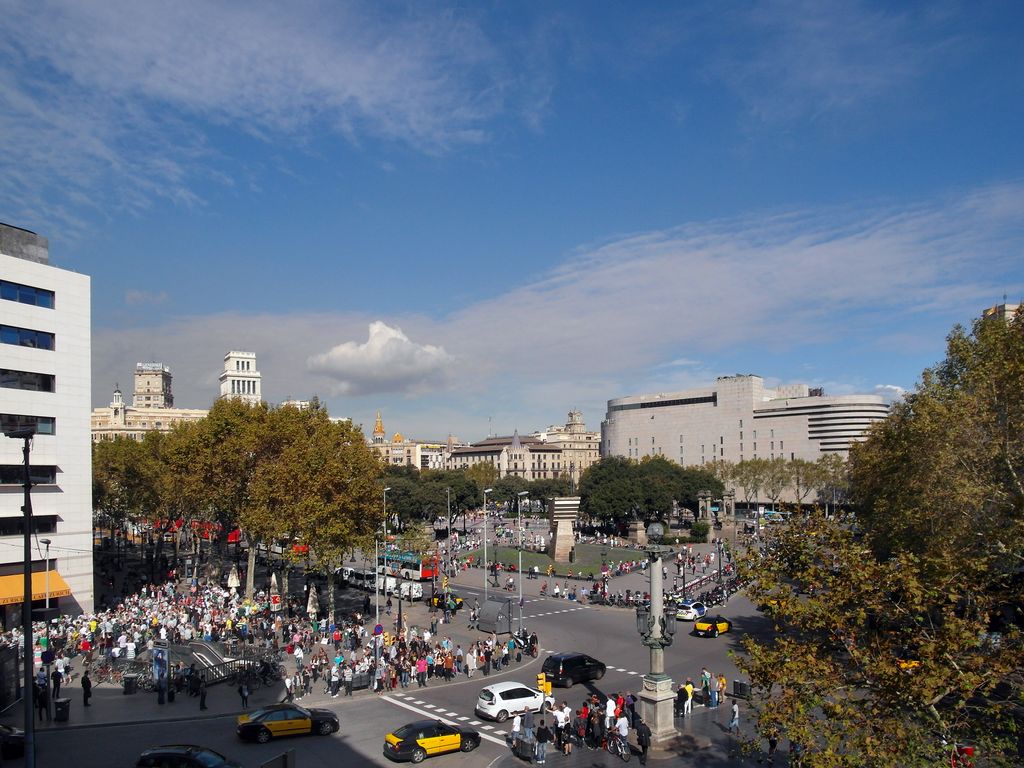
[108,105]
[792,59]
[629,315]
[890,392]
[387,362]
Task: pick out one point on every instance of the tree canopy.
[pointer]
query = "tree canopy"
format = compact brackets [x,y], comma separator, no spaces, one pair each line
[911,633]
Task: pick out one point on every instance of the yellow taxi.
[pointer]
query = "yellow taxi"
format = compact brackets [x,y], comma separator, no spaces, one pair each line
[269,722]
[711,626]
[414,742]
[453,602]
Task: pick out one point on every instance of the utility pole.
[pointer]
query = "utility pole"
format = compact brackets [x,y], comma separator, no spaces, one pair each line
[485,492]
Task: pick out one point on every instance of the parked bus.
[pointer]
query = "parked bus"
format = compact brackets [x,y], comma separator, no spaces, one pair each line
[408,565]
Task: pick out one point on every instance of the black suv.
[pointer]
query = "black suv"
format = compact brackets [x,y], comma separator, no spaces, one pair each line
[567,669]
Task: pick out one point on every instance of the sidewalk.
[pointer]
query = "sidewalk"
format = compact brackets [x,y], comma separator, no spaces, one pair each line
[704,742]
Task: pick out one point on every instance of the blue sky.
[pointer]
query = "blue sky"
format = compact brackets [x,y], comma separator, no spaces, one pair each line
[489,213]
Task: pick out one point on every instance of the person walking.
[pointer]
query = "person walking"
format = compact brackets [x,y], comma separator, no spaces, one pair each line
[517,726]
[43,701]
[86,688]
[57,678]
[643,739]
[543,737]
[202,693]
[289,694]
[528,726]
[734,724]
[243,692]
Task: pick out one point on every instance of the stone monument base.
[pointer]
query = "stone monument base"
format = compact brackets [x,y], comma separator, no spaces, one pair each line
[657,702]
[638,533]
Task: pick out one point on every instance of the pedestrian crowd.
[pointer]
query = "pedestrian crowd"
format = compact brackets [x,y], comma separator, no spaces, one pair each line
[598,723]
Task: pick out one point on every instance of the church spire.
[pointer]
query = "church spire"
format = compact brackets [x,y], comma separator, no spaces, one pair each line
[378,429]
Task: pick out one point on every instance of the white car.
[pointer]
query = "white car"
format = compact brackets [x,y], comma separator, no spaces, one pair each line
[502,700]
[691,611]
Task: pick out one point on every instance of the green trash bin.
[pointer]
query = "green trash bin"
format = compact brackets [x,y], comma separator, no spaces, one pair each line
[61,710]
[131,684]
[740,689]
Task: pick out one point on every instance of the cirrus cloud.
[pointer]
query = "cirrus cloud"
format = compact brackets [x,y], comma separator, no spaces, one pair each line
[389,361]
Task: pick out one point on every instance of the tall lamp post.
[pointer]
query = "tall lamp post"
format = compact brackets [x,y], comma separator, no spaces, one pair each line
[27,434]
[384,577]
[519,512]
[486,491]
[656,627]
[46,618]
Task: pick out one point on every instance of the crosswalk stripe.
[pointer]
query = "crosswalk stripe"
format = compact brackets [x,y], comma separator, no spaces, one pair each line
[487,727]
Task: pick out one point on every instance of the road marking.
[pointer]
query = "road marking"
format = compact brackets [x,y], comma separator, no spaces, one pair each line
[411,708]
[463,719]
[418,701]
[474,722]
[487,727]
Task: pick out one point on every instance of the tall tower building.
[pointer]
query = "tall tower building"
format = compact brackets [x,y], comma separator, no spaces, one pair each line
[45,377]
[152,386]
[240,378]
[378,430]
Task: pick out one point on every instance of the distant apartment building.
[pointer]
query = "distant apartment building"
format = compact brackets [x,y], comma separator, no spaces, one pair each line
[400,451]
[527,457]
[1004,311]
[151,409]
[240,378]
[738,418]
[579,448]
[45,372]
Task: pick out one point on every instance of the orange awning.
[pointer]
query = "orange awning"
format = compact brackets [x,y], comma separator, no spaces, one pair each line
[11,587]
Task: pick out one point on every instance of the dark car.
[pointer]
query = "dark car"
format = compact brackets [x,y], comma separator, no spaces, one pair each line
[266,723]
[12,742]
[567,669]
[423,738]
[184,756]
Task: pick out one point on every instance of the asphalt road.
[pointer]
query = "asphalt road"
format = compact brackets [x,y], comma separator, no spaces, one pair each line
[606,633]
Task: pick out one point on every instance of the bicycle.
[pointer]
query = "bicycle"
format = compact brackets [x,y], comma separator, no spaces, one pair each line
[618,746]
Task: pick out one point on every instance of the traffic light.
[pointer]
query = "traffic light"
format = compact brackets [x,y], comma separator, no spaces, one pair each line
[444,583]
[543,684]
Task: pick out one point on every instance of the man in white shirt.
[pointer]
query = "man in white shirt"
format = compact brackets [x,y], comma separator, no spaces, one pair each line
[517,725]
[609,713]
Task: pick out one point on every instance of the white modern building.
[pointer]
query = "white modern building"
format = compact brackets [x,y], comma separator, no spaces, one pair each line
[45,375]
[240,378]
[736,419]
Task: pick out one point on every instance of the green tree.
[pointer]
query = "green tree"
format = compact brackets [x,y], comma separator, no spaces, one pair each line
[805,476]
[750,475]
[693,480]
[123,482]
[834,479]
[776,479]
[610,489]
[891,652]
[660,481]
[484,475]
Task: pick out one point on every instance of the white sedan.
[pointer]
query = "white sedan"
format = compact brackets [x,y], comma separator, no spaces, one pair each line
[690,611]
[502,700]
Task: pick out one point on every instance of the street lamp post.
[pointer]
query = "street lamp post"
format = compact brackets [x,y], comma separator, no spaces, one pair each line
[519,512]
[657,627]
[27,434]
[384,576]
[486,491]
[46,618]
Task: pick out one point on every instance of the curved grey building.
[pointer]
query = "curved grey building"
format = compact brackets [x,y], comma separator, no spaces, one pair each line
[737,419]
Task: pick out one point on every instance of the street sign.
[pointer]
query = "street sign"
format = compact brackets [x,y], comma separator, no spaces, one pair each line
[377,630]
